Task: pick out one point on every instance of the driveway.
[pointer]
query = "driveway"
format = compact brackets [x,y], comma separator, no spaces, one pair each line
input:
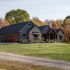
[35,60]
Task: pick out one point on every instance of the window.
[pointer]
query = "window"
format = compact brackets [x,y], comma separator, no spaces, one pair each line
[35,35]
[24,35]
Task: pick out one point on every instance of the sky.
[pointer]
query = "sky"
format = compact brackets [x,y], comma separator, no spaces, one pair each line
[43,9]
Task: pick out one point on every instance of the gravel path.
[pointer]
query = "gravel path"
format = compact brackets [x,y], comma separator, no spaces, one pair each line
[35,60]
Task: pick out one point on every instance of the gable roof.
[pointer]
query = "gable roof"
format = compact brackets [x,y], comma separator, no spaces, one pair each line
[44,29]
[15,28]
[57,30]
[53,30]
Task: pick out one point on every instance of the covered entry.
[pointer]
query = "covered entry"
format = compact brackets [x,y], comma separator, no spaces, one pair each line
[52,35]
[45,37]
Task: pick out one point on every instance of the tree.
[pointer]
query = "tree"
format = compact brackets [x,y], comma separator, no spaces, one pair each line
[37,21]
[3,23]
[15,16]
[66,25]
[56,24]
[67,32]
[66,21]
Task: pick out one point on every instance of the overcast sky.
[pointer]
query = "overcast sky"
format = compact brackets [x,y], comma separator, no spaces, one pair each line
[44,9]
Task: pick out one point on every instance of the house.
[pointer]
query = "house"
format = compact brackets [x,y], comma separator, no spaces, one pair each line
[56,35]
[51,35]
[45,32]
[23,32]
[27,32]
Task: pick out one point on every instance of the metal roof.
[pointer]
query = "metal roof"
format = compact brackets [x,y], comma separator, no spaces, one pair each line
[15,28]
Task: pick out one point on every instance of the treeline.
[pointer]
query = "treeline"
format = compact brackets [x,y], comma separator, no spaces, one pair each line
[19,15]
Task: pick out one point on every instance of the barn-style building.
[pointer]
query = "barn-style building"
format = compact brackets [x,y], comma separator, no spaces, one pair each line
[51,35]
[23,32]
[27,32]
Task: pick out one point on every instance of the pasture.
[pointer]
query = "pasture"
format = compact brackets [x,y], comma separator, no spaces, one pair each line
[59,51]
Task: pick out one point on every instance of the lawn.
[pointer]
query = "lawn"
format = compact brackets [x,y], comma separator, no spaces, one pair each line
[60,51]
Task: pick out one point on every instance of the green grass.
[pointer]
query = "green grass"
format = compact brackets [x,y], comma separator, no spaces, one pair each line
[9,65]
[59,51]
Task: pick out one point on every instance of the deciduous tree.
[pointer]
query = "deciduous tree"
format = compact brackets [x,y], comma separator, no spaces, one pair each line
[16,16]
[66,21]
[66,26]
[37,21]
[3,23]
[56,24]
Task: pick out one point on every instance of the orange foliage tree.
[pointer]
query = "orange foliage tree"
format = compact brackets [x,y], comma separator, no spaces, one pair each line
[66,25]
[37,21]
[56,24]
[3,23]
[67,32]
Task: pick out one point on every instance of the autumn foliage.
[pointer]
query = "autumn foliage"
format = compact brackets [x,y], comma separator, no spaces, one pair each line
[66,26]
[67,32]
[3,23]
[37,21]
[56,24]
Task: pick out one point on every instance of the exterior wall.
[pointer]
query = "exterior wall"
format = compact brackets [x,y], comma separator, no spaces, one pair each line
[13,38]
[31,37]
[1,37]
[9,38]
[23,39]
[23,33]
[52,36]
[60,36]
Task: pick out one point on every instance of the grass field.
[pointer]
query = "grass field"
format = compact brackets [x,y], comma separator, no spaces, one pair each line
[59,51]
[9,65]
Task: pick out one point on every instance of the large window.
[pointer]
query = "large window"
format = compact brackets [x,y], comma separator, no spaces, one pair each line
[35,35]
[24,34]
